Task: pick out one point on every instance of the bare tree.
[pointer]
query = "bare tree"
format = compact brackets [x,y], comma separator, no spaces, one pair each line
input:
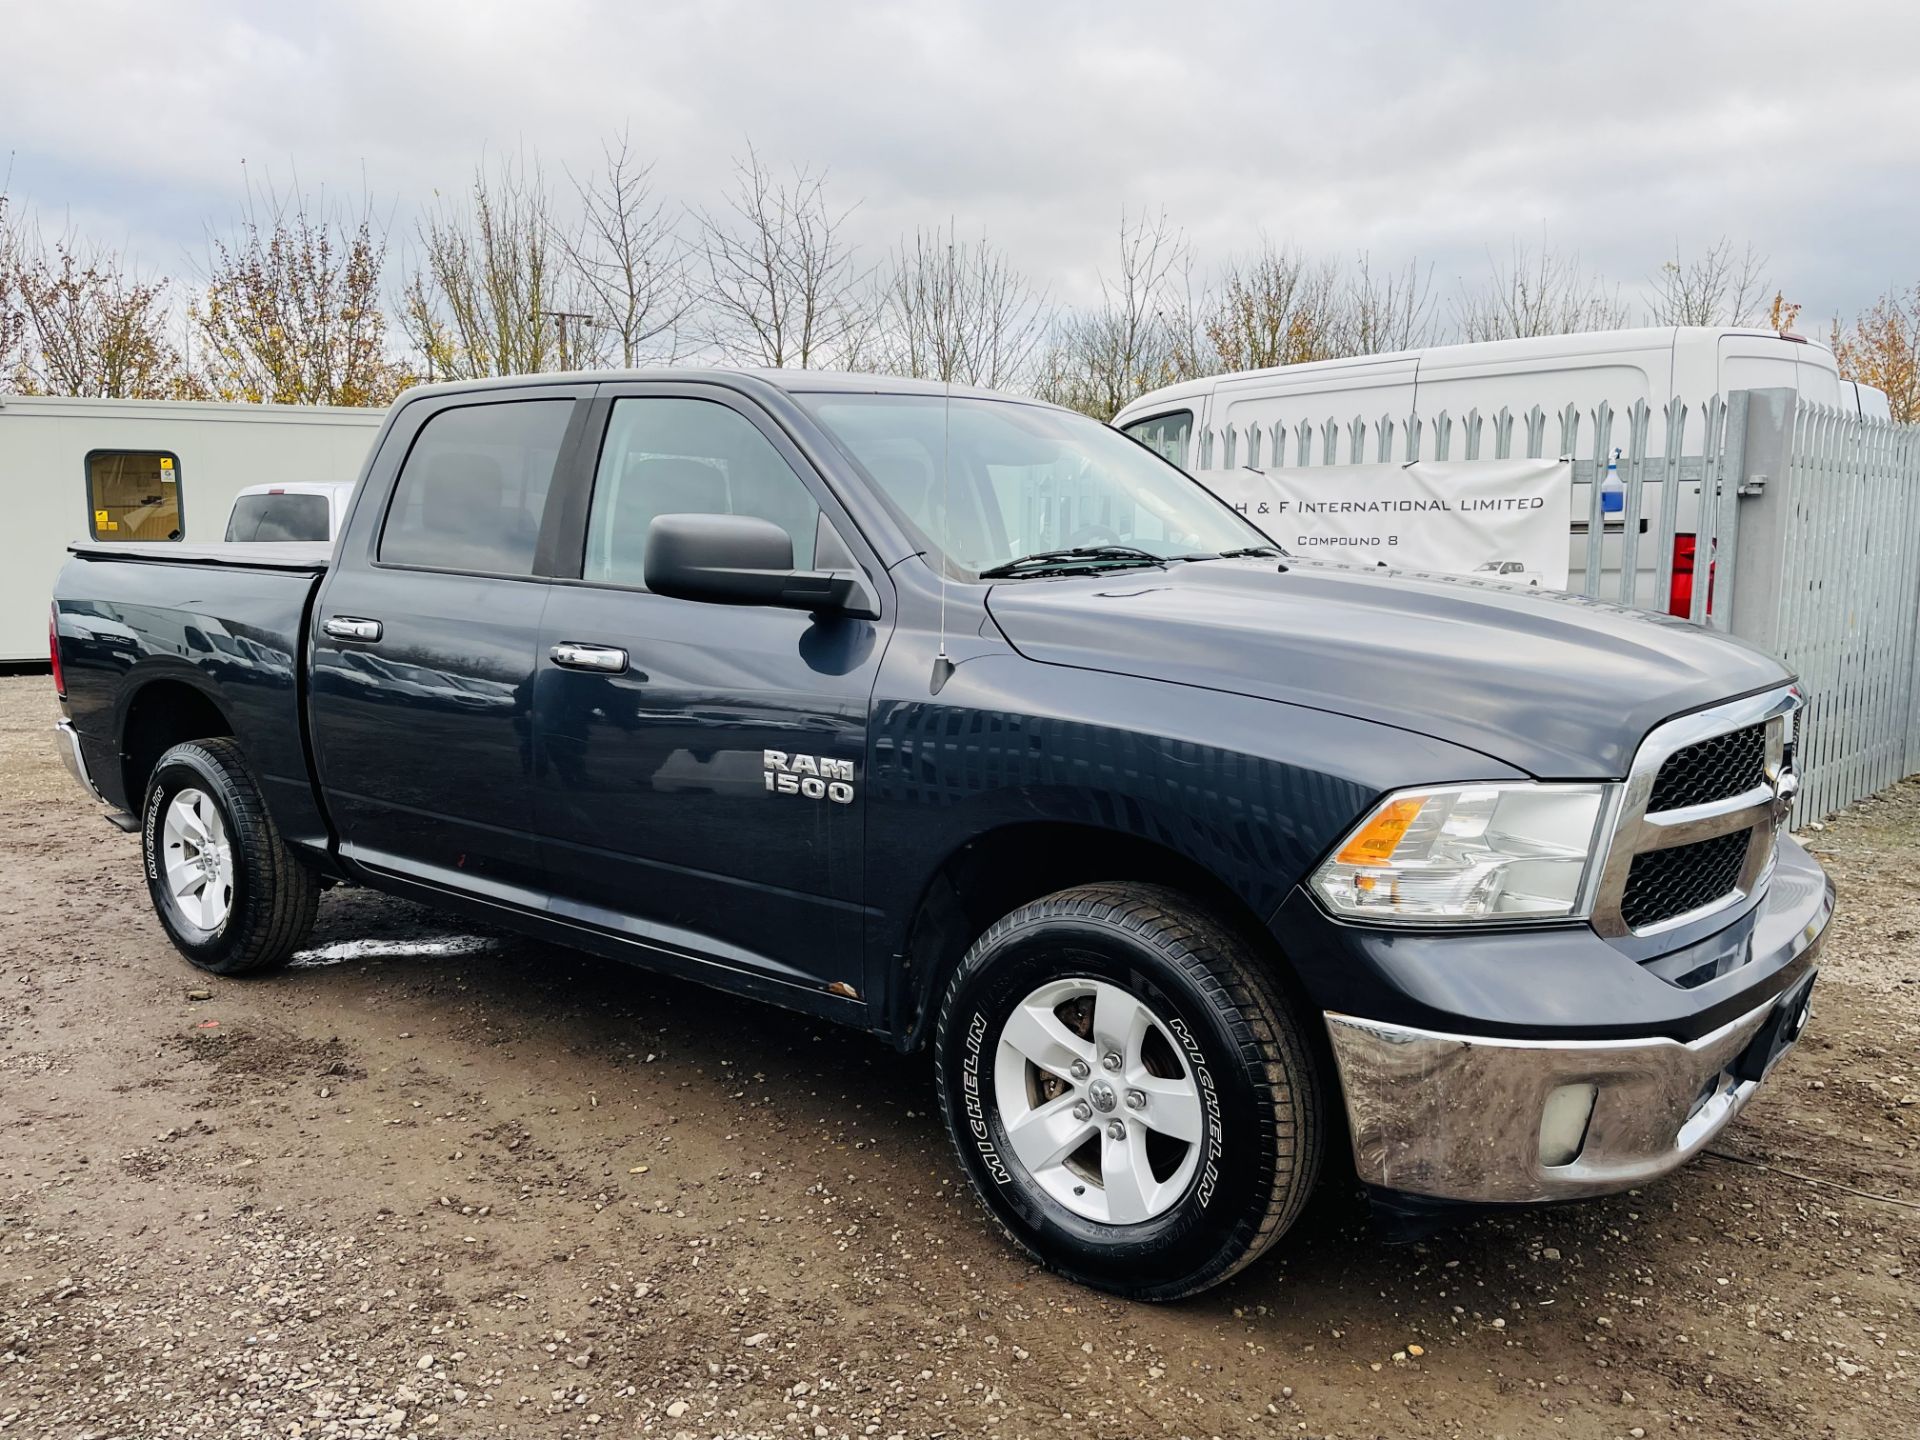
[629,262]
[782,286]
[13,317]
[1719,286]
[1382,312]
[1141,334]
[1540,292]
[89,325]
[957,310]
[291,310]
[491,293]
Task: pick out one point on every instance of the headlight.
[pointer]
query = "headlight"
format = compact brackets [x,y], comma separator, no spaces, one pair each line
[1468,853]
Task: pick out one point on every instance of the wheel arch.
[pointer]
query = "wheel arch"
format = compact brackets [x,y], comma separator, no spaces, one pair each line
[164,712]
[1001,869]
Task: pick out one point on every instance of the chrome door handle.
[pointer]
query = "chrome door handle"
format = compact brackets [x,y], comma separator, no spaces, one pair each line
[346,627]
[607,659]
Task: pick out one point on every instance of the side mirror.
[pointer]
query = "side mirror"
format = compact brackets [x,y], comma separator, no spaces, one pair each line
[744,560]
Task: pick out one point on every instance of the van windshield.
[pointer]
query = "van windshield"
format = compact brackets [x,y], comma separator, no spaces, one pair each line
[1021,479]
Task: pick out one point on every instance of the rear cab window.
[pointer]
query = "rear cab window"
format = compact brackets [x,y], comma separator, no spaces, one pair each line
[134,495]
[473,489]
[280,518]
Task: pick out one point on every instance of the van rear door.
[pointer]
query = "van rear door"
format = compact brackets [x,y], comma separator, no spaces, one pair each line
[1759,362]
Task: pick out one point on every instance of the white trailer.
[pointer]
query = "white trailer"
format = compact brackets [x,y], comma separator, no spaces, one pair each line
[110,470]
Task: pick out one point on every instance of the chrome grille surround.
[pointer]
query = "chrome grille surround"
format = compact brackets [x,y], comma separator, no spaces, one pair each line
[1762,810]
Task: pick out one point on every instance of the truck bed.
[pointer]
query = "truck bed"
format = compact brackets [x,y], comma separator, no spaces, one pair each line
[184,627]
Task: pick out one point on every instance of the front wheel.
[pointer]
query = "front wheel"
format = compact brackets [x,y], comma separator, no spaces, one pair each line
[232,897]
[1128,1089]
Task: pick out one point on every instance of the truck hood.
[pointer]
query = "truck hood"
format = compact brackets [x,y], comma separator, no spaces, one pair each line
[1556,685]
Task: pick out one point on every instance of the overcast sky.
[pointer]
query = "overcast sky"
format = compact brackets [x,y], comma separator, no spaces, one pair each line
[1431,130]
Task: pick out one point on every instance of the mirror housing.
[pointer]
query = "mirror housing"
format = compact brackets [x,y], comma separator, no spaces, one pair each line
[744,560]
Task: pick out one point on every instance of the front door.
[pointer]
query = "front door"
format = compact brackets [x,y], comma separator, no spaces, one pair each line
[702,765]
[425,639]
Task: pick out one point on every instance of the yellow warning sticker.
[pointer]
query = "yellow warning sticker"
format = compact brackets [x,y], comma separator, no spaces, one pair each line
[100,519]
[166,462]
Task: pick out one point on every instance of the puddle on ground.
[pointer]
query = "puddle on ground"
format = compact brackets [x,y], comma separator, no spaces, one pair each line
[342,951]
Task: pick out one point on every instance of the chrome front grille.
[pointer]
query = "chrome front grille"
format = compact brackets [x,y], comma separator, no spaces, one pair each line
[1682,878]
[1699,816]
[1716,769]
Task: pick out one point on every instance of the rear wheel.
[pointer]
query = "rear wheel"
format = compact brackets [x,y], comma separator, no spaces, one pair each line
[1128,1089]
[230,894]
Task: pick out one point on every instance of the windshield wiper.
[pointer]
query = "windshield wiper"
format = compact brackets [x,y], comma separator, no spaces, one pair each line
[1080,555]
[1247,552]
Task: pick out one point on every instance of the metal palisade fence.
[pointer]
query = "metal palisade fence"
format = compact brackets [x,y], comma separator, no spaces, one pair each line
[1792,526]
[1830,553]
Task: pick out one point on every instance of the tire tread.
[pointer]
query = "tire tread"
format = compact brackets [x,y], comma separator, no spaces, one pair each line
[283,892]
[1239,983]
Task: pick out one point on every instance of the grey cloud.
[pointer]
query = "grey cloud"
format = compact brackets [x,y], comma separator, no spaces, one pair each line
[1441,131]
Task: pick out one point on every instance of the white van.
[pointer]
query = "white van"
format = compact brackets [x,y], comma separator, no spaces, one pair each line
[1257,416]
[110,470]
[1551,371]
[309,511]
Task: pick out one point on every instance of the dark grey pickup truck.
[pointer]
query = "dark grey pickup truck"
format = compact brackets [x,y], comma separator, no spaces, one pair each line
[971,723]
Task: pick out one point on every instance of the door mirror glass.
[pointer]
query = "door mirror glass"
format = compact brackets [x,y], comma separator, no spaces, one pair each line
[743,560]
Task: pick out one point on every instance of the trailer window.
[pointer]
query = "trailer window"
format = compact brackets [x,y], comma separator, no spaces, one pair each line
[473,488]
[133,495]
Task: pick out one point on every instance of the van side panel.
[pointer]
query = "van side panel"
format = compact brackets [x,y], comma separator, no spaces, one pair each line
[1617,367]
[1263,418]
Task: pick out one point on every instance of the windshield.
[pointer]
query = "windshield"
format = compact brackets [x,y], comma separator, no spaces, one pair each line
[1024,479]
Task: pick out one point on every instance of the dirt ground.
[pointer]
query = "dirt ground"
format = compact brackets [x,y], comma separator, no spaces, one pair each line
[442,1183]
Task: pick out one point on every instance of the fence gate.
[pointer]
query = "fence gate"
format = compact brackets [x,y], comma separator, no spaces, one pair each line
[1829,580]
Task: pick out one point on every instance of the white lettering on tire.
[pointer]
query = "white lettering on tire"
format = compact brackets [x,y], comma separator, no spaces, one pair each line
[1210,1098]
[150,840]
[975,1106]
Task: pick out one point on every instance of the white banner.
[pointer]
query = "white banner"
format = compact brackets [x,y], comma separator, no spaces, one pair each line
[1505,520]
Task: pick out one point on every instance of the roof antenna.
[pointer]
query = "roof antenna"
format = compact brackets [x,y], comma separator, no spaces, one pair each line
[942,663]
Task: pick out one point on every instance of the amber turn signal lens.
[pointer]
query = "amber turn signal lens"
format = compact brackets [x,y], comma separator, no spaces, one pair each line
[1376,841]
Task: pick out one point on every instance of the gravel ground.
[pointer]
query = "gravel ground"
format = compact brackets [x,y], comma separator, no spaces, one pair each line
[438,1182]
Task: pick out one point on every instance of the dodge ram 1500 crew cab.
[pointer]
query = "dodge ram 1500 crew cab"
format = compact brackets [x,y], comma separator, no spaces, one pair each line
[975,724]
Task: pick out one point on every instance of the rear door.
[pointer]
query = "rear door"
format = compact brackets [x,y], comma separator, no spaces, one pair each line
[703,764]
[427,629]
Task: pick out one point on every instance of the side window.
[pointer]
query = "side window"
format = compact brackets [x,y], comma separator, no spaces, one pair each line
[133,495]
[667,456]
[1165,435]
[472,488]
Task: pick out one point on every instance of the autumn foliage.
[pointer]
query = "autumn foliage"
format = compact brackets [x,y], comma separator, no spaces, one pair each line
[1882,349]
[291,313]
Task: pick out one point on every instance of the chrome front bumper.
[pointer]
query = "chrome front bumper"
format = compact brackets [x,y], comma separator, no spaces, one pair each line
[1459,1117]
[69,742]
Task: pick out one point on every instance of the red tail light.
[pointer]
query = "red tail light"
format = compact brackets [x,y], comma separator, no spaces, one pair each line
[53,652]
[1680,591]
